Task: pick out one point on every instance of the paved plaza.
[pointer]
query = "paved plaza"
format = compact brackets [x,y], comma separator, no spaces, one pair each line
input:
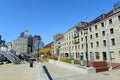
[19,72]
[60,73]
[24,72]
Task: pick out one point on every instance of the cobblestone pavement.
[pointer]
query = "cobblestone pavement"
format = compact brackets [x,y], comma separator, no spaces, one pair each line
[59,73]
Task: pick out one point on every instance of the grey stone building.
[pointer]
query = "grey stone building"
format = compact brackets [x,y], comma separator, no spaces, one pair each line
[20,44]
[103,38]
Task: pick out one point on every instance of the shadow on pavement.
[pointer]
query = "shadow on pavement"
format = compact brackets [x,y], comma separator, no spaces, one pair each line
[47,72]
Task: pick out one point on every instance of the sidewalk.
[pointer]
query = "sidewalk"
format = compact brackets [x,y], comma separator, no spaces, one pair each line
[24,72]
[15,72]
[20,72]
[60,73]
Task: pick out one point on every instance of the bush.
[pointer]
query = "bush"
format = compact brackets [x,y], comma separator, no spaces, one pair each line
[67,60]
[53,56]
[63,59]
[77,61]
[49,57]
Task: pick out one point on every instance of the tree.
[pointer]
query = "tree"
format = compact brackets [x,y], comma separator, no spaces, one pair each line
[47,51]
[41,51]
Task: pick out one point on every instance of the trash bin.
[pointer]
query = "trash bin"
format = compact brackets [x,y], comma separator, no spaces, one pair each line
[31,63]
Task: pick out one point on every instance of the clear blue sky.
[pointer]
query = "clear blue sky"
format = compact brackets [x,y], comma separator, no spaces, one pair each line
[47,17]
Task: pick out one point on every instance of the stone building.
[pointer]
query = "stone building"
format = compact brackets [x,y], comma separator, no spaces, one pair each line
[20,44]
[103,38]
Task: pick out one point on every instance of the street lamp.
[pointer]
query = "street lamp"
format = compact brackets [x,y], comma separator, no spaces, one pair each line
[38,45]
[86,33]
[108,47]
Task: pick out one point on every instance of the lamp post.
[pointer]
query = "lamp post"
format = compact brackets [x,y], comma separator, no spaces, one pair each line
[108,47]
[38,50]
[86,33]
[38,45]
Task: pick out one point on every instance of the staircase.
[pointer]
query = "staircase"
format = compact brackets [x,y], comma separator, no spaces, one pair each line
[13,58]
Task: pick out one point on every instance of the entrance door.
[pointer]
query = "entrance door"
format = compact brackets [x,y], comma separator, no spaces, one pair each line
[104,56]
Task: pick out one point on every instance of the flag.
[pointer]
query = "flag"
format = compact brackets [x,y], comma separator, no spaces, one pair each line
[86,17]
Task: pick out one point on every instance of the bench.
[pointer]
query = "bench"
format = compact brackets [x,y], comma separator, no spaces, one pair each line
[100,66]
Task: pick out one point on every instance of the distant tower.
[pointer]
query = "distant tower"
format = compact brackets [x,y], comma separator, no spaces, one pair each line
[26,33]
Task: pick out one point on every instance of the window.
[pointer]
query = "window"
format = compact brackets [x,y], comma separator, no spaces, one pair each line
[91,45]
[74,35]
[102,24]
[119,18]
[112,55]
[96,34]
[90,29]
[97,55]
[76,55]
[75,42]
[67,48]
[110,21]
[111,31]
[77,34]
[75,47]
[97,44]
[81,32]
[82,46]
[72,47]
[113,41]
[72,42]
[104,56]
[103,33]
[104,42]
[78,46]
[119,54]
[95,27]
[78,40]
[81,39]
[90,36]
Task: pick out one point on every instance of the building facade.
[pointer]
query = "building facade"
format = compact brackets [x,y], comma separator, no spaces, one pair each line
[38,39]
[2,42]
[57,44]
[103,38]
[30,44]
[52,48]
[20,45]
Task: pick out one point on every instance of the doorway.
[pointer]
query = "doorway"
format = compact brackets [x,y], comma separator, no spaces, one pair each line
[104,56]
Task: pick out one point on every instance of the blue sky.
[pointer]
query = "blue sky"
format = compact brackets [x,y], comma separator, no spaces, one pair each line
[47,17]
